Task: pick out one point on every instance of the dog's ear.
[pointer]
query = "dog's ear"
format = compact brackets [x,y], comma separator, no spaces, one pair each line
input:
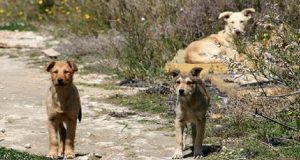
[73,66]
[174,73]
[248,11]
[225,15]
[50,66]
[195,72]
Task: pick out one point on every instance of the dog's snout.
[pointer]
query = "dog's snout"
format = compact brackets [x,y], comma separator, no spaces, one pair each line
[238,32]
[60,81]
[181,92]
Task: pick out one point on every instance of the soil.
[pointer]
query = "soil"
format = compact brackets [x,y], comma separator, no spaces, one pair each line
[23,120]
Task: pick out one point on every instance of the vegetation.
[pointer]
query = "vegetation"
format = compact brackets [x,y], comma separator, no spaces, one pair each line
[153,30]
[10,154]
[136,38]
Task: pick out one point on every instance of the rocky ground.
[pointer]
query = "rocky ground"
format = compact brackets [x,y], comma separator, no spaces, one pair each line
[113,132]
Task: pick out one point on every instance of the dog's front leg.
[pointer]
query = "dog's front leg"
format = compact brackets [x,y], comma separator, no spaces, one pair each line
[179,127]
[200,128]
[69,143]
[53,141]
[62,139]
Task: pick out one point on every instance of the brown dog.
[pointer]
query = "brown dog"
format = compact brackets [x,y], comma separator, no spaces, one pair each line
[63,109]
[192,105]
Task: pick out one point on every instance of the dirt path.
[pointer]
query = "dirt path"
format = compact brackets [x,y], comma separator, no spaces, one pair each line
[23,119]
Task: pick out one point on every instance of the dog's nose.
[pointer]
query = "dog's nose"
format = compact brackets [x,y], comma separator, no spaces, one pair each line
[60,81]
[181,92]
[238,32]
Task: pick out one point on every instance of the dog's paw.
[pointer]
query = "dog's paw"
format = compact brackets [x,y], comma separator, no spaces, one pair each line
[198,157]
[52,154]
[178,155]
[198,154]
[61,155]
[69,155]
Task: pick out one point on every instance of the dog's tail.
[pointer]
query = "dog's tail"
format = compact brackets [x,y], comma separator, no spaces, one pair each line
[79,115]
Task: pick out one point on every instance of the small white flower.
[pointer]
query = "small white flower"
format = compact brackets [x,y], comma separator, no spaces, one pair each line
[181,9]
[143,18]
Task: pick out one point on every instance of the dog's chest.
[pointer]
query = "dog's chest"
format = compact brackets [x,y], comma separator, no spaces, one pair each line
[191,114]
[59,105]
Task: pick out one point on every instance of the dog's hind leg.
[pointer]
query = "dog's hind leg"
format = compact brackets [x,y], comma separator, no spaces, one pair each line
[62,139]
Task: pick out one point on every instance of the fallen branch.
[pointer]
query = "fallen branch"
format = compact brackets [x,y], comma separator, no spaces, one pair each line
[275,121]
[285,95]
[126,125]
[270,146]
[260,86]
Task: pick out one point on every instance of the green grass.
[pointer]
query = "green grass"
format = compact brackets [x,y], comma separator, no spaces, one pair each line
[151,103]
[291,151]
[249,134]
[10,154]
[19,25]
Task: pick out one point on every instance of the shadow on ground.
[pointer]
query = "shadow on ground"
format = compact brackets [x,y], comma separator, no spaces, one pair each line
[207,149]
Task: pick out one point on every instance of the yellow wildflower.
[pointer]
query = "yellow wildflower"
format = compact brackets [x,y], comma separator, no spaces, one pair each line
[87,16]
[68,13]
[290,113]
[21,13]
[78,9]
[2,11]
[40,2]
[40,17]
[8,14]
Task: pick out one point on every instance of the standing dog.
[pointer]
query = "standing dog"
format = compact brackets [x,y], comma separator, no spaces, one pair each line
[192,105]
[63,109]
[206,50]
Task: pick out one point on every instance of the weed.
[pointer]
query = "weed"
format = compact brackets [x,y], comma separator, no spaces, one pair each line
[143,102]
[19,25]
[10,154]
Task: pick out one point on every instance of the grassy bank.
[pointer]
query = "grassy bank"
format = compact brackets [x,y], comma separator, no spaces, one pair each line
[10,154]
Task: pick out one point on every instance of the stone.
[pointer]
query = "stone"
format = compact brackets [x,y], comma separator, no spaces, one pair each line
[51,53]
[27,146]
[2,130]
[90,156]
[22,39]
[218,128]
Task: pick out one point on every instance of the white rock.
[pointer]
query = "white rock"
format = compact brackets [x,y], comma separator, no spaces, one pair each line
[27,145]
[2,130]
[88,134]
[51,52]
[90,156]
[218,127]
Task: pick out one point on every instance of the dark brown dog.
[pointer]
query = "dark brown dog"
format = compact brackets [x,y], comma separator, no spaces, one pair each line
[192,105]
[63,109]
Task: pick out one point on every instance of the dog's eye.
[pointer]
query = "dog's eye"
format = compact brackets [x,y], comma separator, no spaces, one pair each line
[56,71]
[189,82]
[232,22]
[242,21]
[177,82]
[66,72]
